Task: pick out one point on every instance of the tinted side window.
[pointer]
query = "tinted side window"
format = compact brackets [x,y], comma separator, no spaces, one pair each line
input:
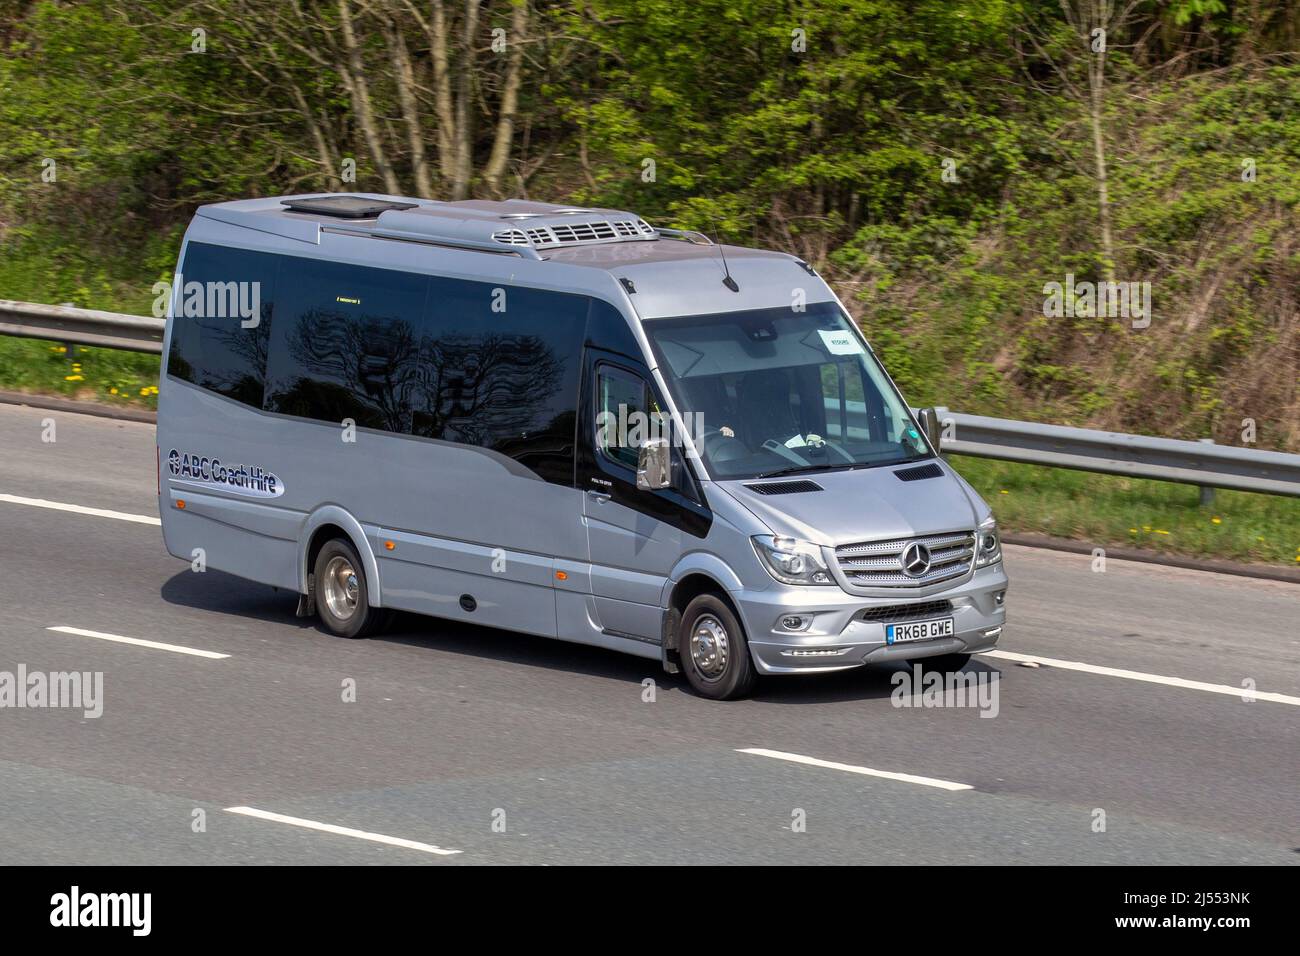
[222,322]
[347,344]
[501,369]
[608,329]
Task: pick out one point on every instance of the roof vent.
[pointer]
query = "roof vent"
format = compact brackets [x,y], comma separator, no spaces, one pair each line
[785,487]
[920,473]
[344,207]
[554,235]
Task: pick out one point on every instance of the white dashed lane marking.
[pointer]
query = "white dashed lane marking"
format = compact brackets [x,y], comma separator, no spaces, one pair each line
[850,768]
[138,642]
[79,509]
[341,831]
[1228,689]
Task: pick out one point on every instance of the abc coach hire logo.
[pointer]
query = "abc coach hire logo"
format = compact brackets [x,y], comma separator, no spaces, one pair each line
[200,470]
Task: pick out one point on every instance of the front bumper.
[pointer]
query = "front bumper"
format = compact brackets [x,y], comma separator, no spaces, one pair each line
[837,638]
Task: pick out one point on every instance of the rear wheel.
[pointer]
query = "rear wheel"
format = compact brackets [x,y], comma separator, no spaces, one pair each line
[342,592]
[713,650]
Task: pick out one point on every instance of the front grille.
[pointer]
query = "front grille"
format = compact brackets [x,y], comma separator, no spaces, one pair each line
[879,564]
[906,612]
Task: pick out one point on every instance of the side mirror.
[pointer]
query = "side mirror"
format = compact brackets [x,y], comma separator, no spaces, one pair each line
[931,425]
[654,465]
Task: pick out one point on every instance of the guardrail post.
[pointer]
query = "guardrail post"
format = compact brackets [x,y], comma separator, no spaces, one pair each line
[69,348]
[1207,491]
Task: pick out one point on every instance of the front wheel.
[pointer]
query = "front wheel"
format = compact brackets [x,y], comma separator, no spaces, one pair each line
[713,650]
[342,592]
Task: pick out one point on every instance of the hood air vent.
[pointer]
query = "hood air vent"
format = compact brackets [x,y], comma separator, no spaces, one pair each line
[920,473]
[785,487]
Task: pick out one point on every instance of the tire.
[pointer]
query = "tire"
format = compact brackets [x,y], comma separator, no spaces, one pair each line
[944,662]
[343,594]
[713,650]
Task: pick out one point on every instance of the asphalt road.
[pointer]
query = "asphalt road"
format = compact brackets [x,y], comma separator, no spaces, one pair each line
[512,749]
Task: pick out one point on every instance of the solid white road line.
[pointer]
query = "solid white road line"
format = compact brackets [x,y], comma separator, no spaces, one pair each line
[1239,692]
[341,831]
[138,642]
[849,768]
[80,509]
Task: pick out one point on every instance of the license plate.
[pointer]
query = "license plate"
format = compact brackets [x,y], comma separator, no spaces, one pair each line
[918,630]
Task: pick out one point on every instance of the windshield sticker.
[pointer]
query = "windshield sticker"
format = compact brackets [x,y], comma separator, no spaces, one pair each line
[207,472]
[840,342]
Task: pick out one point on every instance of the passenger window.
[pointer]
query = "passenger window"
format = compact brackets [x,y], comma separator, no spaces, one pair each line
[222,321]
[475,363]
[624,413]
[501,371]
[347,344]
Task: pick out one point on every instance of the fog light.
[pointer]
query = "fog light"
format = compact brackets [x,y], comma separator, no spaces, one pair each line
[795,622]
[993,632]
[999,597]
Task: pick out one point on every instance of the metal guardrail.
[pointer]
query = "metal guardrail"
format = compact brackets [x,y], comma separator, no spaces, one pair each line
[1058,446]
[1115,453]
[64,323]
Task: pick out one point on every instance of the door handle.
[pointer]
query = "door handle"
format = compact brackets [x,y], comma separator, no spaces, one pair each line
[601,496]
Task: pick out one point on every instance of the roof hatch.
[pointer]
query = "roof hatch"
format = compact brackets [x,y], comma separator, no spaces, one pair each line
[344,207]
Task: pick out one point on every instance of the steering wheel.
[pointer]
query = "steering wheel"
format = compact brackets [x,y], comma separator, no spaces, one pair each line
[722,447]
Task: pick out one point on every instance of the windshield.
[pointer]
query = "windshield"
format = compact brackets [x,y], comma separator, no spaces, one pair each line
[775,391]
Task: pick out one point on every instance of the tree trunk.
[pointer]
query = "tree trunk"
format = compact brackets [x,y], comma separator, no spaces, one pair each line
[464,131]
[405,79]
[442,91]
[1096,115]
[504,138]
[354,77]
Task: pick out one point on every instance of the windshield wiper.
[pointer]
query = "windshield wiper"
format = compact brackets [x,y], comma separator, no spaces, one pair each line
[800,469]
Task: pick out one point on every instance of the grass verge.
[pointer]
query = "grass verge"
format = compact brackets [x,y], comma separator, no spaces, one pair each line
[1154,515]
[108,376]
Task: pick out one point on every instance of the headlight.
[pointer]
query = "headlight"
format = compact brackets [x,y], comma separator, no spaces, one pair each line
[988,546]
[791,561]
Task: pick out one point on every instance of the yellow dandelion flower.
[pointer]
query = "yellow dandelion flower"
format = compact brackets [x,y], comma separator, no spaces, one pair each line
[112,391]
[1004,492]
[1158,531]
[1217,520]
[73,378]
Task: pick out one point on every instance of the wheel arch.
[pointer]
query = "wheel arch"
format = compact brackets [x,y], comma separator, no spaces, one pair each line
[694,575]
[331,521]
